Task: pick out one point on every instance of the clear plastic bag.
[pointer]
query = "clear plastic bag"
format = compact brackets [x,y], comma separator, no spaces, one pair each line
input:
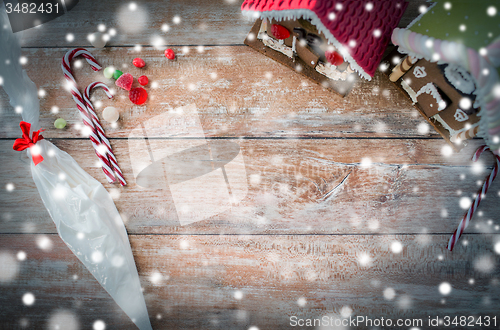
[82,210]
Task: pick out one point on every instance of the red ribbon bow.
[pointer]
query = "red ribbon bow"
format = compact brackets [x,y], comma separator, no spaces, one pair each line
[25,142]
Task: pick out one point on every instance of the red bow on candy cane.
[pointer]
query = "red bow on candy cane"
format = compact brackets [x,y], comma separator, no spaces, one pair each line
[25,142]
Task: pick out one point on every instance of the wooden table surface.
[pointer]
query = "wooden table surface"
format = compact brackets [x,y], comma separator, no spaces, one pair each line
[332,182]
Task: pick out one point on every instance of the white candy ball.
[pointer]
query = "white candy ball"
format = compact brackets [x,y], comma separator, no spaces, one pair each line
[98,40]
[110,114]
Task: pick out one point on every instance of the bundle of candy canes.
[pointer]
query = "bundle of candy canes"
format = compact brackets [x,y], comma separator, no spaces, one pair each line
[97,136]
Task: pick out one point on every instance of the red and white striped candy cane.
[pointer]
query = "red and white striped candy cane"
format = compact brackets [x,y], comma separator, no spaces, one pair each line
[77,97]
[100,130]
[484,189]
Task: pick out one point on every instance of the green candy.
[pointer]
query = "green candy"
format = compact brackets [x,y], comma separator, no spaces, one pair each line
[109,71]
[60,123]
[117,74]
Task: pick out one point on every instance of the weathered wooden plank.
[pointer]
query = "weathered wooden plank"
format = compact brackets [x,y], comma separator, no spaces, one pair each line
[234,282]
[238,92]
[201,23]
[293,186]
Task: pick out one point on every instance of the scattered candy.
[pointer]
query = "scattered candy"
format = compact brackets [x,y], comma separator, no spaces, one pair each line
[117,74]
[98,40]
[110,114]
[125,81]
[143,80]
[60,123]
[334,58]
[139,62]
[169,53]
[138,95]
[279,31]
[108,72]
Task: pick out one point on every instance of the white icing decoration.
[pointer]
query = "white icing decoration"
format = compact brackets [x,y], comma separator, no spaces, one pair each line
[460,78]
[276,45]
[331,71]
[429,88]
[419,72]
[447,127]
[410,91]
[460,115]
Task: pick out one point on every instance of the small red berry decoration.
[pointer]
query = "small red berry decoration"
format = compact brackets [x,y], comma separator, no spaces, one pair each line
[279,31]
[334,58]
[138,95]
[139,62]
[125,81]
[143,80]
[169,53]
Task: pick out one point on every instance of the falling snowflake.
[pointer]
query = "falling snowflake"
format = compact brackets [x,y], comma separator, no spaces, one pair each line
[238,295]
[404,302]
[132,18]
[10,187]
[21,255]
[28,299]
[97,257]
[366,162]
[301,301]
[389,293]
[63,319]
[465,202]
[156,278]
[44,243]
[491,11]
[9,268]
[497,248]
[485,264]
[445,288]
[396,247]
[99,325]
[364,259]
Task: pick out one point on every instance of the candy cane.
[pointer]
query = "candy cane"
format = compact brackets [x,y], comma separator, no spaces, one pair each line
[100,130]
[77,97]
[468,216]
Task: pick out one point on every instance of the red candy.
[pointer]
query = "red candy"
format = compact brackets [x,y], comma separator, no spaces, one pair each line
[139,62]
[138,95]
[125,81]
[169,53]
[334,58]
[143,80]
[279,31]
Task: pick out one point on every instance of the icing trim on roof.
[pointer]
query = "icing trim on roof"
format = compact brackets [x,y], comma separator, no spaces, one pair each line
[308,14]
[443,51]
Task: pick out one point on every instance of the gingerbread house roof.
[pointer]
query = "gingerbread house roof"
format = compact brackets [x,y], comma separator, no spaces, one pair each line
[360,29]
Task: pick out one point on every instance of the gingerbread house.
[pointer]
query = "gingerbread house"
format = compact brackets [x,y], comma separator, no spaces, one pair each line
[331,42]
[450,70]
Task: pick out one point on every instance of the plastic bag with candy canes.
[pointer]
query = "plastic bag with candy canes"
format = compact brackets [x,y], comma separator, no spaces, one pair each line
[82,210]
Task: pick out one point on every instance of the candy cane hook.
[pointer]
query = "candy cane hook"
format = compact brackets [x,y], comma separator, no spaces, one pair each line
[100,130]
[484,189]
